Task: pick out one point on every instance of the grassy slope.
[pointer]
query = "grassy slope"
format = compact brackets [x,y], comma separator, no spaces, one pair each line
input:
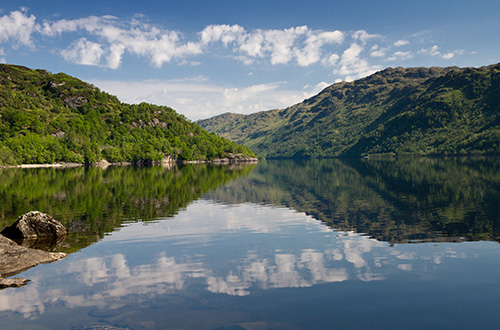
[415,111]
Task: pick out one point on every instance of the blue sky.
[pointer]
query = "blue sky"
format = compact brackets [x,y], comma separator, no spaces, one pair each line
[205,58]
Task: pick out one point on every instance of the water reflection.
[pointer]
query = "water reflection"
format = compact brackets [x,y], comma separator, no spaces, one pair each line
[232,251]
[398,201]
[92,202]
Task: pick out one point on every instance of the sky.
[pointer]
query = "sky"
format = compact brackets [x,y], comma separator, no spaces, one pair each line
[205,58]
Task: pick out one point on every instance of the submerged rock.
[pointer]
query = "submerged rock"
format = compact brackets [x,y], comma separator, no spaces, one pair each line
[35,224]
[48,244]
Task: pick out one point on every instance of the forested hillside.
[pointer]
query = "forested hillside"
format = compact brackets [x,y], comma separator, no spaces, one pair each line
[422,111]
[47,118]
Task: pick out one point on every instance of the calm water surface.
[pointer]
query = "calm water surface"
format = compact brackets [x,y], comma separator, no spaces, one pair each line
[323,244]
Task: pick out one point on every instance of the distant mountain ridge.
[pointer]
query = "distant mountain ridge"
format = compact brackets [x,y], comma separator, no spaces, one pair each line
[423,111]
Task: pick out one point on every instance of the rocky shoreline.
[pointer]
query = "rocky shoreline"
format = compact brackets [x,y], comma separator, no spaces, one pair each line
[231,159]
[15,258]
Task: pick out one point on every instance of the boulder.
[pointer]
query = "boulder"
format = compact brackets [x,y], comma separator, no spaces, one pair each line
[15,259]
[35,224]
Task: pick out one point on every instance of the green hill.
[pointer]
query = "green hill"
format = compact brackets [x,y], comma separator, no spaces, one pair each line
[47,118]
[424,111]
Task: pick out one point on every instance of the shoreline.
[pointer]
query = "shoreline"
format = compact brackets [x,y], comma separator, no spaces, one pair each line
[63,165]
[104,163]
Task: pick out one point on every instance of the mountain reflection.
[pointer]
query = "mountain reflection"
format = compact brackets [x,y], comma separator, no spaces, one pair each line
[233,253]
[398,201]
[92,202]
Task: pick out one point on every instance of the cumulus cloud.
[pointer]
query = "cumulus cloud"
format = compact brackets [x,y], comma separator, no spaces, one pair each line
[311,53]
[106,40]
[400,56]
[352,66]
[364,36]
[377,51]
[330,60]
[19,27]
[400,43]
[301,43]
[83,52]
[224,33]
[448,56]
[114,38]
[434,51]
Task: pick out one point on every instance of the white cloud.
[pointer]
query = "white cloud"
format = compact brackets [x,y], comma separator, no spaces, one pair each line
[448,56]
[56,28]
[224,33]
[279,43]
[364,36]
[252,44]
[352,66]
[401,56]
[104,41]
[83,52]
[281,46]
[115,55]
[19,27]
[331,60]
[434,51]
[3,60]
[400,43]
[377,51]
[114,38]
[311,53]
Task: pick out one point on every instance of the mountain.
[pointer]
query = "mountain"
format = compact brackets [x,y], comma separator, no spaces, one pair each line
[424,111]
[47,118]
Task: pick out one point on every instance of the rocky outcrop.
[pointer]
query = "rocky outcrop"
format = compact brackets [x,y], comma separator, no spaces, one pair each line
[35,224]
[16,258]
[236,158]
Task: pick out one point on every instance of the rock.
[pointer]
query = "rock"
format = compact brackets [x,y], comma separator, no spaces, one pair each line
[12,282]
[48,244]
[35,224]
[15,259]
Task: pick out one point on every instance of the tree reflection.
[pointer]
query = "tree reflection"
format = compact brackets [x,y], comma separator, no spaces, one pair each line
[403,200]
[91,202]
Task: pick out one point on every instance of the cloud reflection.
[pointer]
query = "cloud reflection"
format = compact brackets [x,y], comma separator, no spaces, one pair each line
[226,250]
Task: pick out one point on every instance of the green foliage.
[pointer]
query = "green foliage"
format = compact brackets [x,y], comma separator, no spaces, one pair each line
[419,111]
[46,118]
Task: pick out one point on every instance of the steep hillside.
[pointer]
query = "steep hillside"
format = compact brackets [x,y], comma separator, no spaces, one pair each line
[425,111]
[46,118]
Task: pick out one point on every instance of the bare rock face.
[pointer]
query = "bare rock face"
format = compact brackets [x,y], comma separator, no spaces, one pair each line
[35,224]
